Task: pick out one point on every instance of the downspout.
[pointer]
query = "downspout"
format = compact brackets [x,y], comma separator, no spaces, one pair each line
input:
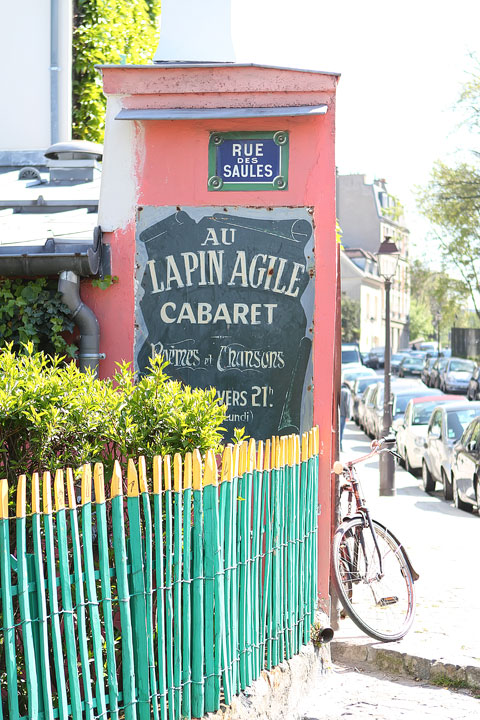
[54,71]
[85,319]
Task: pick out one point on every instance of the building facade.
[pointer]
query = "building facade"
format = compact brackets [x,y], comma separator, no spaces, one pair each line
[367,214]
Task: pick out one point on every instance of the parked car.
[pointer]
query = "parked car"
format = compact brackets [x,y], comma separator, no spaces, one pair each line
[473,389]
[396,359]
[402,391]
[412,429]
[351,354]
[437,368]
[410,365]
[445,428]
[358,388]
[376,358]
[466,466]
[427,369]
[362,403]
[456,374]
[350,374]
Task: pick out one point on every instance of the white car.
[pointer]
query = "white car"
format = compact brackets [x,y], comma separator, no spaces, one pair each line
[412,430]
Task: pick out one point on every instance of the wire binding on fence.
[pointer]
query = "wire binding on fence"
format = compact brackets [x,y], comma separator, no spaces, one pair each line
[167,598]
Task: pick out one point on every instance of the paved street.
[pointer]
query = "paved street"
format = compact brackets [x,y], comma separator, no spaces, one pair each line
[350,692]
[444,644]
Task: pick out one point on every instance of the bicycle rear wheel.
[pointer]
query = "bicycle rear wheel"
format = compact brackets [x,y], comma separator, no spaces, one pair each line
[382,604]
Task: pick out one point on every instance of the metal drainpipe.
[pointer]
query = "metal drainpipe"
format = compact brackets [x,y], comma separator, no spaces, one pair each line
[54,70]
[85,319]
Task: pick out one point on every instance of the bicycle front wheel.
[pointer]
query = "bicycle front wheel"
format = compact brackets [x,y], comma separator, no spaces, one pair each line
[379,597]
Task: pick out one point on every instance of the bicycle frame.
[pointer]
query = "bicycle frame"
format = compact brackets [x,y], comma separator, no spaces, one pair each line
[354,489]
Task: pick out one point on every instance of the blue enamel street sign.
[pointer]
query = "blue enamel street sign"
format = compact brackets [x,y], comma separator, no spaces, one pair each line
[248,161]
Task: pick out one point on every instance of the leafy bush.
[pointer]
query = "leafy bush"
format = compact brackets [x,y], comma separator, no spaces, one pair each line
[52,415]
[32,311]
[107,32]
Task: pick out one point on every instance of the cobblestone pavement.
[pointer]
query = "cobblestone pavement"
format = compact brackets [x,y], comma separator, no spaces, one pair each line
[348,692]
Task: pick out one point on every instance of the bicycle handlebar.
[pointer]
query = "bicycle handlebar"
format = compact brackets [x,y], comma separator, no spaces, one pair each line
[378,446]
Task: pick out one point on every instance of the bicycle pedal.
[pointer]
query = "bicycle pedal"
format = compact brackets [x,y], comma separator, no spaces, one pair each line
[384,602]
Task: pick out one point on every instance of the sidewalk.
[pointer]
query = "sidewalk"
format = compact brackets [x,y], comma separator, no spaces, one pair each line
[443,545]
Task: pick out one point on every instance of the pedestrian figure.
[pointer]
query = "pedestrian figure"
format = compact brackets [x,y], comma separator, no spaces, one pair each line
[345,408]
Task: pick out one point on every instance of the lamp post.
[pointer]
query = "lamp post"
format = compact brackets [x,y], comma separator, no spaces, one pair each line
[387,259]
[437,317]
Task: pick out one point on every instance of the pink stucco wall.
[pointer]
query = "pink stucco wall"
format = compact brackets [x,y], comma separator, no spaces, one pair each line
[171,169]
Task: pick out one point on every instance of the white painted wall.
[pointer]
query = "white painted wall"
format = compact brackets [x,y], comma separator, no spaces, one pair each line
[25,116]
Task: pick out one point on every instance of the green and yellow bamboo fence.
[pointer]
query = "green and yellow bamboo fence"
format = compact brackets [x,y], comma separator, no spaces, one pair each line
[163,603]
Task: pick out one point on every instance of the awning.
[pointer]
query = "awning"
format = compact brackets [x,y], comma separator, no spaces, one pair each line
[219,113]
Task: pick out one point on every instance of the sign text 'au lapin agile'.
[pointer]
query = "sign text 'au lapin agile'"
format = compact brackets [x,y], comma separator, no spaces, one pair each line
[248,161]
[226,296]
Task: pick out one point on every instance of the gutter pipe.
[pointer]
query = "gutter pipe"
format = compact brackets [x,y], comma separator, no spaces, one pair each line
[54,71]
[85,319]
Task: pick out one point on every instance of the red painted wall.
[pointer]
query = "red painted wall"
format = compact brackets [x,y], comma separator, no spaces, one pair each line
[170,169]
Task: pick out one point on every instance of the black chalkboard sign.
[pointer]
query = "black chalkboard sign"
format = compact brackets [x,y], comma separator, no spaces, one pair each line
[226,296]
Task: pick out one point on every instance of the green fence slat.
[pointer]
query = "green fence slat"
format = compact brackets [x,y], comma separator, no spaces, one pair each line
[232,563]
[198,690]
[137,600]
[302,559]
[168,585]
[227,539]
[276,556]
[120,553]
[177,582]
[21,539]
[7,606]
[159,583]
[265,648]
[214,571]
[186,590]
[290,550]
[106,587]
[222,575]
[249,571]
[58,654]
[97,640]
[148,532]
[68,614]
[80,600]
[209,589]
[43,658]
[256,594]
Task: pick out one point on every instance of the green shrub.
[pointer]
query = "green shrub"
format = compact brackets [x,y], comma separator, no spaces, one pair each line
[53,416]
[104,33]
[32,311]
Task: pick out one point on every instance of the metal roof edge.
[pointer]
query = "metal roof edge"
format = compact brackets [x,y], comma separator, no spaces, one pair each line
[219,113]
[168,65]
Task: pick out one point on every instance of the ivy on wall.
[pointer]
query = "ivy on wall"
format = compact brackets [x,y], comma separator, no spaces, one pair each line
[32,311]
[107,32]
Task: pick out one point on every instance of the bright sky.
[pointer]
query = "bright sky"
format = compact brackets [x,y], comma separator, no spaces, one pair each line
[402,64]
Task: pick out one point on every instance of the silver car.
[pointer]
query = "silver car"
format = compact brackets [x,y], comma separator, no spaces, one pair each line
[446,426]
[456,374]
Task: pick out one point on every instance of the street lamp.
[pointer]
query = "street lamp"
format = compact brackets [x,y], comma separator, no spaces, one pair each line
[437,318]
[387,259]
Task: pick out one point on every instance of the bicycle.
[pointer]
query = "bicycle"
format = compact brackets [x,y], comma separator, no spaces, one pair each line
[372,572]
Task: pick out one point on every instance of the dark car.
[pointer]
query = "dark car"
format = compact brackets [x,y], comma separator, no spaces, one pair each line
[437,368]
[445,428]
[396,360]
[465,468]
[357,391]
[362,404]
[410,366]
[375,358]
[427,369]
[456,374]
[402,390]
[473,389]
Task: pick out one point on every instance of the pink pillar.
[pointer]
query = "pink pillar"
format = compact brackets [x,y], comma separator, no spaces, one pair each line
[157,163]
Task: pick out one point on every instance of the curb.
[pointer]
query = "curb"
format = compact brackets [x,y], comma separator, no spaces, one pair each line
[434,671]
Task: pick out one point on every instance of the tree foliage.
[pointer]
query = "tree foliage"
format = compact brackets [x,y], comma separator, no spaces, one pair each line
[350,319]
[437,299]
[451,201]
[122,31]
